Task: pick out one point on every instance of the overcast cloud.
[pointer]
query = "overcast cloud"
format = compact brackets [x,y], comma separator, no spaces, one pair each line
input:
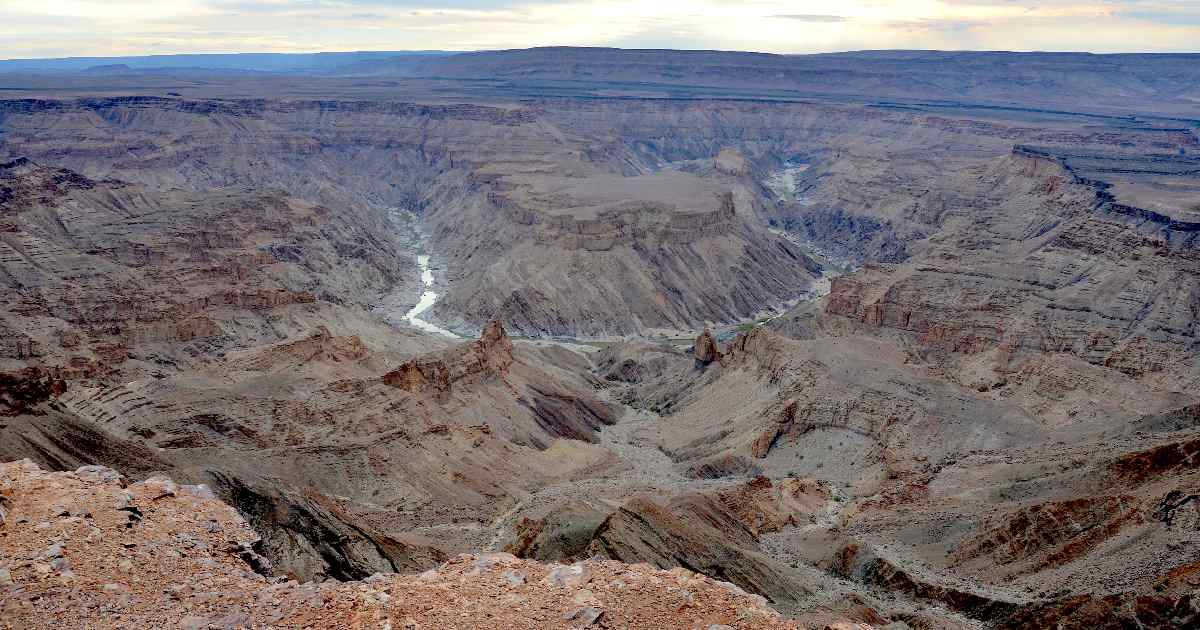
[56,28]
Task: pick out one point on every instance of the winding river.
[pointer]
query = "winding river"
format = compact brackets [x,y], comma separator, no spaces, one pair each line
[784,183]
[427,300]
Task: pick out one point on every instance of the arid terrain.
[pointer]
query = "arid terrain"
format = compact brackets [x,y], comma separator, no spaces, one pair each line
[870,340]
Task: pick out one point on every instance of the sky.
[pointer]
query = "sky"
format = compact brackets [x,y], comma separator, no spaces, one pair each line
[61,28]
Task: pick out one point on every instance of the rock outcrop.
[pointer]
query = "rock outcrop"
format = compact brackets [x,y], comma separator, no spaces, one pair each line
[490,355]
[705,348]
[1015,287]
[23,392]
[715,532]
[991,419]
[84,550]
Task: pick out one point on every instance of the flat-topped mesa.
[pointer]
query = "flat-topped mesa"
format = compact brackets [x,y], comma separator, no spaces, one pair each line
[706,349]
[491,354]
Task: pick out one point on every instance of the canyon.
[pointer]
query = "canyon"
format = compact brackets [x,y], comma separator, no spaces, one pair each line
[783,339]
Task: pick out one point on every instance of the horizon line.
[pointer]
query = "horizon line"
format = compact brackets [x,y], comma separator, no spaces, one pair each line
[495,50]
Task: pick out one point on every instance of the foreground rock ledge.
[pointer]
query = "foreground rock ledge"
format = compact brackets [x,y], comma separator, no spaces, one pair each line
[84,550]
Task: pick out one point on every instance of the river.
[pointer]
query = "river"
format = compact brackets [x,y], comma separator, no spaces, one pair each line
[426,302]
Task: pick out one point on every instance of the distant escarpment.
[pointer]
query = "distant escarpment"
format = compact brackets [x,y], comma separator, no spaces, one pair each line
[1056,267]
[573,217]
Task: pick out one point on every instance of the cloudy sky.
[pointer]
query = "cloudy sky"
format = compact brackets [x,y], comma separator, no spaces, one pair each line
[54,28]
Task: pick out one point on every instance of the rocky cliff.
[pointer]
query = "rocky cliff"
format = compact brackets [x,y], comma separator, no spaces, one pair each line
[85,550]
[1055,269]
[990,421]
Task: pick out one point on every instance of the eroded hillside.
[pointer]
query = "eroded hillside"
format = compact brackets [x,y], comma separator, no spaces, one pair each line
[989,421]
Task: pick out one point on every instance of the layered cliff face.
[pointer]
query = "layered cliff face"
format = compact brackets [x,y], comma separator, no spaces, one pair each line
[581,217]
[989,421]
[1054,268]
[109,279]
[995,508]
[531,228]
[595,255]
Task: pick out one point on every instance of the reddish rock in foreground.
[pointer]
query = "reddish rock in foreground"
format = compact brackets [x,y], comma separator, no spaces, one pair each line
[83,550]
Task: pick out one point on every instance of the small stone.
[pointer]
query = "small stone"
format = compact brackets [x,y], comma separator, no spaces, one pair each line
[749,613]
[160,487]
[730,586]
[586,616]
[235,619]
[192,622]
[125,566]
[113,587]
[719,626]
[429,575]
[489,560]
[378,596]
[574,575]
[124,499]
[514,578]
[54,551]
[100,474]
[200,491]
[5,576]
[682,575]
[585,597]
